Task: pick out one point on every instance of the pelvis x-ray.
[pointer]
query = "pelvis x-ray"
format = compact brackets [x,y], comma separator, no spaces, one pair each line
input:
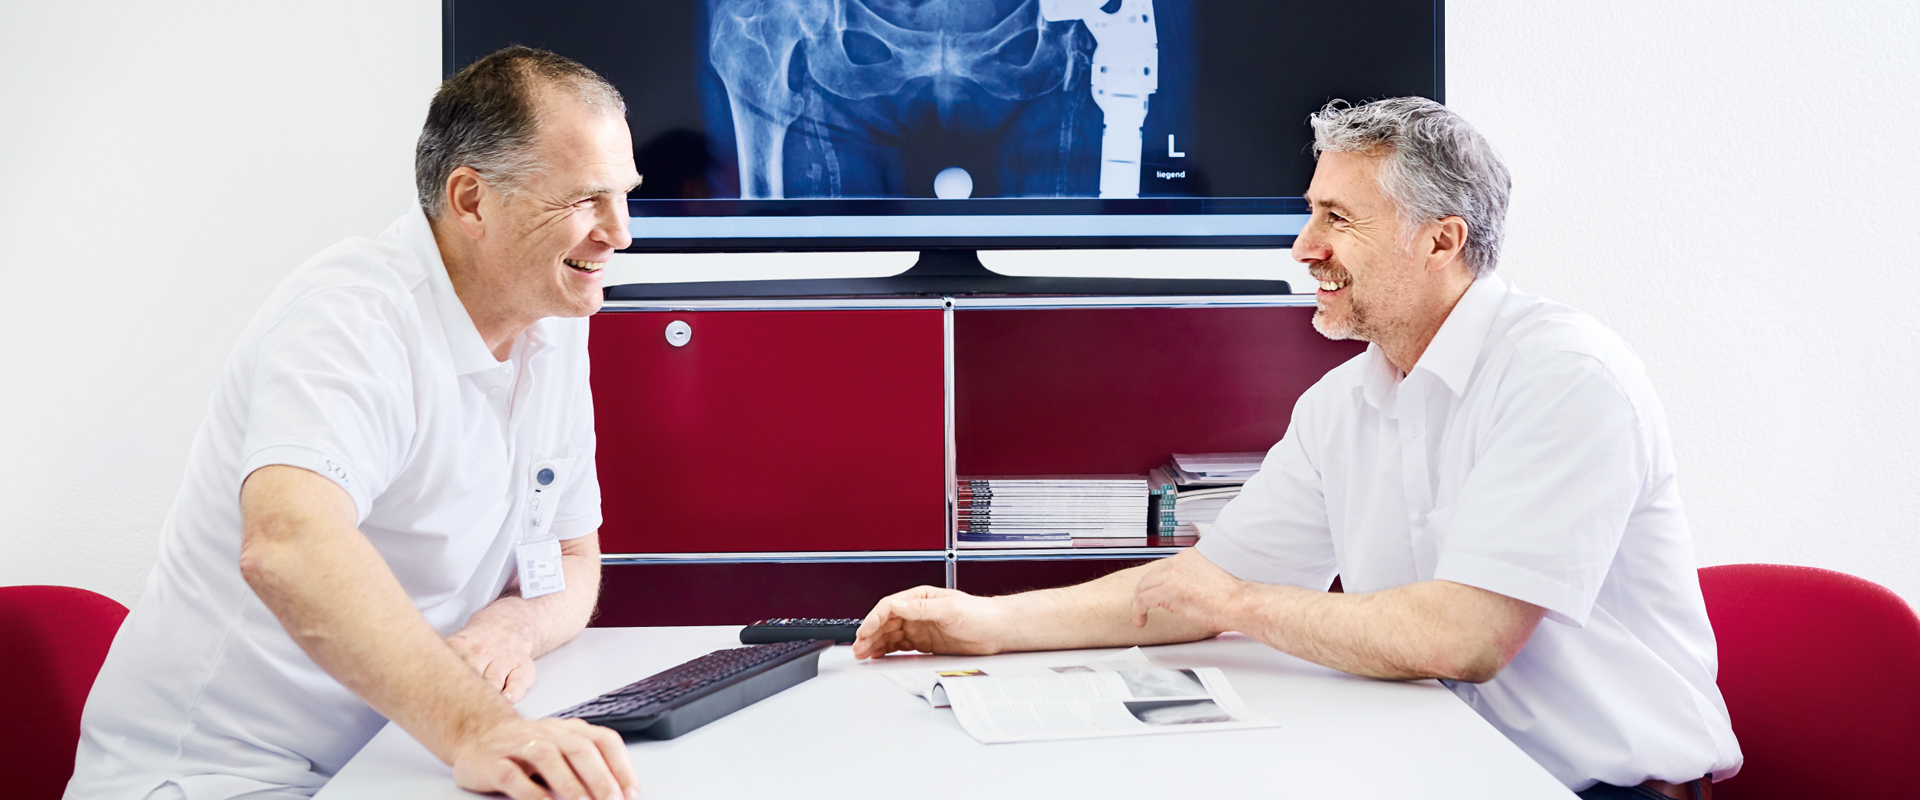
[849,98]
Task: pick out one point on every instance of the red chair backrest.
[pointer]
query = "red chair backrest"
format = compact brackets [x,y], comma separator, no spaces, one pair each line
[1821,673]
[56,638]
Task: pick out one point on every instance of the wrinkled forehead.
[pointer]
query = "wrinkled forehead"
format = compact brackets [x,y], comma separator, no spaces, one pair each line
[959,16]
[1349,181]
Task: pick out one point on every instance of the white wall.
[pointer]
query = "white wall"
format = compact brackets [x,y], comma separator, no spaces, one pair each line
[1725,184]
[1732,187]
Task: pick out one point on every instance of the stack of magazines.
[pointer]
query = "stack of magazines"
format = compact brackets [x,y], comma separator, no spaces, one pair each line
[1043,511]
[1188,491]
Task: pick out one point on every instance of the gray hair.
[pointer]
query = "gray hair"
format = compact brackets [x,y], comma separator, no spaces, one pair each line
[486,117]
[1433,165]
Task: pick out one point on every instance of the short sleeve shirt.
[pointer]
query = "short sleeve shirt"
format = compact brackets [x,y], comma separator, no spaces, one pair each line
[363,367]
[1524,454]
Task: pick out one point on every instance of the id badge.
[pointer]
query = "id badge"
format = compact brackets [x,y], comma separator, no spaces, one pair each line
[540,572]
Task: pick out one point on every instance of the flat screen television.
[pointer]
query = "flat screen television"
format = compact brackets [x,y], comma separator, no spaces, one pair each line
[950,126]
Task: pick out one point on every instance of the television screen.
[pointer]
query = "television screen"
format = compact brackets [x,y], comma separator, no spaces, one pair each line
[920,124]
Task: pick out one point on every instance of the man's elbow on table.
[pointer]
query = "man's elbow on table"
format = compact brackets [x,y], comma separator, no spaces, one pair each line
[1479,634]
[1477,661]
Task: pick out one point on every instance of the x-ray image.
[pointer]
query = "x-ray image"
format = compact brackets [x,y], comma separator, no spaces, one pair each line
[1178,712]
[943,98]
[1162,683]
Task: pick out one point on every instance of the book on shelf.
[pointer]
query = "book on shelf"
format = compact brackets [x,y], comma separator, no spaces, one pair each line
[1213,469]
[1010,540]
[1043,510]
[1192,487]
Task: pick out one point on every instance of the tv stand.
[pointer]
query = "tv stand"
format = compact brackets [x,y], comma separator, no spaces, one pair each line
[944,272]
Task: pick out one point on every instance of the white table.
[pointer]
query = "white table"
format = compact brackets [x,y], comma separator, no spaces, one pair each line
[851,733]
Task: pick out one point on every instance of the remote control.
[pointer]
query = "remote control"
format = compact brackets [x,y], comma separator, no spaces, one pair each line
[787,629]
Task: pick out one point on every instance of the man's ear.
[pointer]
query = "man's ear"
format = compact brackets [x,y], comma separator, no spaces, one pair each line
[1448,242]
[465,195]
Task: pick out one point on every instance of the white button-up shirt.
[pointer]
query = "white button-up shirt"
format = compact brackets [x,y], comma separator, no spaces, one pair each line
[1527,455]
[363,367]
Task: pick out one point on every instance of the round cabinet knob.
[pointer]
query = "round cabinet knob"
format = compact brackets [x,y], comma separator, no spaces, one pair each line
[679,333]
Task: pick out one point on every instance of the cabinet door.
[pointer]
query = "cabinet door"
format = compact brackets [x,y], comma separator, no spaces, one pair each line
[1116,390]
[770,431]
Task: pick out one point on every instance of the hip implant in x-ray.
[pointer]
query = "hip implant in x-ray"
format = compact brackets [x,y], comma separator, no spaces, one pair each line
[841,98]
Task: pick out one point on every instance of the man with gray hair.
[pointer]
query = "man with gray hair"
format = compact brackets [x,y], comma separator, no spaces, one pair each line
[1492,481]
[391,509]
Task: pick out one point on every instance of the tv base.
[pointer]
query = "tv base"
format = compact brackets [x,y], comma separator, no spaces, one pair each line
[945,273]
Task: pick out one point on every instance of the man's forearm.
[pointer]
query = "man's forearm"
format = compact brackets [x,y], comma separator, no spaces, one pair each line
[1092,614]
[339,602]
[1433,629]
[548,621]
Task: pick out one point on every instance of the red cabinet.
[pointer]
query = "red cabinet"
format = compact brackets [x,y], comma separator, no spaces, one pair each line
[794,458]
[771,430]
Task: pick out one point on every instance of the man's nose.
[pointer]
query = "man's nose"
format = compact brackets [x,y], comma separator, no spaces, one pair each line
[1310,245]
[613,228]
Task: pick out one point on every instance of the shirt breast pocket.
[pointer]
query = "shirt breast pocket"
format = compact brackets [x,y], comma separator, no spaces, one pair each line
[547,486]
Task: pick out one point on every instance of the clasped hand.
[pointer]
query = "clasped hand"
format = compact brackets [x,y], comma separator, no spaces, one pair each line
[1191,587]
[504,660]
[573,758]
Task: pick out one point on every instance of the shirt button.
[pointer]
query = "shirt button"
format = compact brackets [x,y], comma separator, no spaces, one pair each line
[495,391]
[1420,520]
[1413,431]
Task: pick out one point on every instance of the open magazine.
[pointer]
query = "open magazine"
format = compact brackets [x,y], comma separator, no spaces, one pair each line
[1125,694]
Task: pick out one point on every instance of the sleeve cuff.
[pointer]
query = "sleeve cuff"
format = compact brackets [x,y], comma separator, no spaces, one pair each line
[575,527]
[330,467]
[1518,583]
[1225,554]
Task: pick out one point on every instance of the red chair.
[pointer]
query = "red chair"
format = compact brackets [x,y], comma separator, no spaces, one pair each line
[56,638]
[1821,673]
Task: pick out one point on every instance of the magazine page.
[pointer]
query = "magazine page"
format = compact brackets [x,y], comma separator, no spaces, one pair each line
[1122,695]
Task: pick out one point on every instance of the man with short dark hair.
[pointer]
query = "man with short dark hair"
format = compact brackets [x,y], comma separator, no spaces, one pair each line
[1492,481]
[391,509]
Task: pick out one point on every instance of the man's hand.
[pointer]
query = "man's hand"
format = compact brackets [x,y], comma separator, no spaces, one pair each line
[573,759]
[504,659]
[501,641]
[1189,586]
[931,620]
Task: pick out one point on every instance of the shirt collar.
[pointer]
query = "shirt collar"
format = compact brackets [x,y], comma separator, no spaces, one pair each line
[1452,354]
[1380,380]
[1455,349]
[468,350]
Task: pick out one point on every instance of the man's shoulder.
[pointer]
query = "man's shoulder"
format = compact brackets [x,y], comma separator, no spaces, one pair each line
[361,276]
[1532,331]
[1537,338]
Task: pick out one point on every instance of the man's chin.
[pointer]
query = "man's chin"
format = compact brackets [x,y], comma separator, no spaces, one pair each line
[1331,328]
[587,307]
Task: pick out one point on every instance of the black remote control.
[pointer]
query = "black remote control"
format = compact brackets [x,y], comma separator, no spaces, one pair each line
[787,629]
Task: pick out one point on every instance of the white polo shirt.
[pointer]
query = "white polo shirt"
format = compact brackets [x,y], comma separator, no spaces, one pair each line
[364,367]
[1527,455]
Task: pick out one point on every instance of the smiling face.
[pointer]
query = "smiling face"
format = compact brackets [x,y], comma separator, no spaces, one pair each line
[1353,246]
[543,248]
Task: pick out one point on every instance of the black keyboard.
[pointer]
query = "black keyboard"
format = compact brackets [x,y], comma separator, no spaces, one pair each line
[787,629]
[700,691]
